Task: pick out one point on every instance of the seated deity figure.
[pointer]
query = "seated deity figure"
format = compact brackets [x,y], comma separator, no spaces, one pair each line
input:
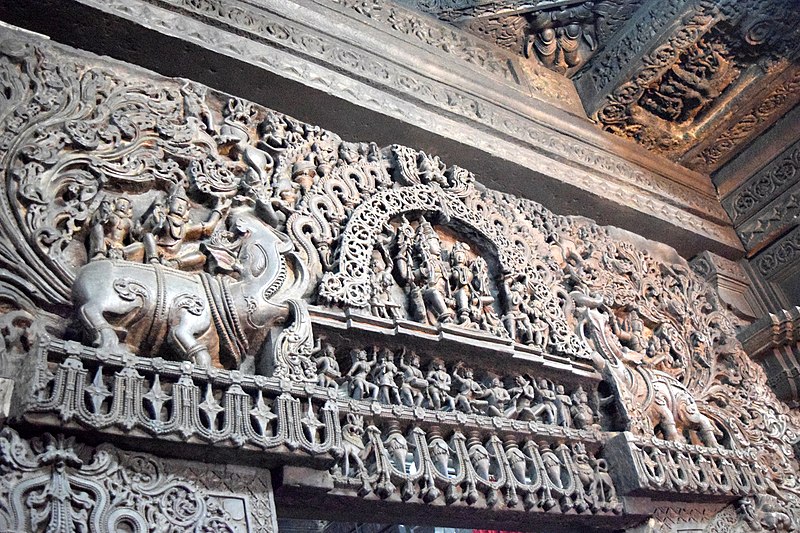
[631,331]
[112,230]
[166,229]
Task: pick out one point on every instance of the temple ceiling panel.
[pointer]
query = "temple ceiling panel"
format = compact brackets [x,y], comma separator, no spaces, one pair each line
[693,80]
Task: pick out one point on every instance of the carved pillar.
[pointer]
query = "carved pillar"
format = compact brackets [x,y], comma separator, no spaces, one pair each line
[773,342]
[731,282]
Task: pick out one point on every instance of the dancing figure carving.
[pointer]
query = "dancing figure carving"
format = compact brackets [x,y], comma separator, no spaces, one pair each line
[196,315]
[661,400]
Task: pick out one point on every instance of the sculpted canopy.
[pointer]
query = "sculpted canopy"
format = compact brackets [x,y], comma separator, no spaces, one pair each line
[185,266]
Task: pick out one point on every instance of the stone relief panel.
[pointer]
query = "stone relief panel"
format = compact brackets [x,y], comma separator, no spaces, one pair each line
[55,483]
[703,216]
[183,249]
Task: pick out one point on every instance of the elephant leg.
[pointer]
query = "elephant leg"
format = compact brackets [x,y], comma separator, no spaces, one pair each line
[105,337]
[706,429]
[667,420]
[182,338]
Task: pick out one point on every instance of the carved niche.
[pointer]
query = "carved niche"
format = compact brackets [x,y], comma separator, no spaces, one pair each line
[189,268]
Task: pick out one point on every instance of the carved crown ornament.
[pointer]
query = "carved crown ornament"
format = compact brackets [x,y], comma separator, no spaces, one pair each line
[182,265]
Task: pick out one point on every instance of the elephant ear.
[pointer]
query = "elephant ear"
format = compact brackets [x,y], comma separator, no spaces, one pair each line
[258,258]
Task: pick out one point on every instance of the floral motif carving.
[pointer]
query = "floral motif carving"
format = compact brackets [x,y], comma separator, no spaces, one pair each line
[780,255]
[58,484]
[764,185]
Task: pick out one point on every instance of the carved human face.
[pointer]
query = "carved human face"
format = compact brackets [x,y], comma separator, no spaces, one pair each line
[434,246]
[179,206]
[123,206]
[105,207]
[289,195]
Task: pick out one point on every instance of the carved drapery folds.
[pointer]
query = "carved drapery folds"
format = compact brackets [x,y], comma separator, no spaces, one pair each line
[195,247]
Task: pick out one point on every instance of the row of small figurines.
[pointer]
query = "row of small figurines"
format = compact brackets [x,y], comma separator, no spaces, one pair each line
[400,380]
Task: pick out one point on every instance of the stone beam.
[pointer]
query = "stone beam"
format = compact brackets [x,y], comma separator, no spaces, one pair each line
[774,341]
[488,8]
[467,103]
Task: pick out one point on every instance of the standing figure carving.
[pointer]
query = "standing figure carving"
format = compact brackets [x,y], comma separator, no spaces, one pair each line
[439,386]
[517,320]
[360,387]
[461,277]
[383,375]
[483,300]
[431,277]
[412,382]
[328,368]
[581,411]
[112,230]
